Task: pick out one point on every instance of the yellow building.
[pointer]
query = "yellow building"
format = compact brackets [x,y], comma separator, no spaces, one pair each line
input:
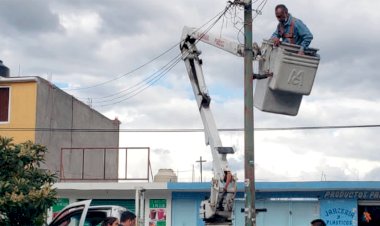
[18,98]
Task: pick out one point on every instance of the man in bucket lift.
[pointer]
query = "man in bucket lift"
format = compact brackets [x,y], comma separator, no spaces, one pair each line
[291,30]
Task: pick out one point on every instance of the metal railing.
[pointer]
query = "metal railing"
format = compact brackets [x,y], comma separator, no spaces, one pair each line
[100,164]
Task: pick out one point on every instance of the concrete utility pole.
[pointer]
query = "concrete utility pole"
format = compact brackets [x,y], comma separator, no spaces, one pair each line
[192,174]
[200,164]
[249,166]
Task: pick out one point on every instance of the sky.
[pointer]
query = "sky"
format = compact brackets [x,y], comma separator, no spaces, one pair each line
[88,48]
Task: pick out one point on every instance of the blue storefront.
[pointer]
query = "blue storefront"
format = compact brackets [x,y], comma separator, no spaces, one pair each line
[289,203]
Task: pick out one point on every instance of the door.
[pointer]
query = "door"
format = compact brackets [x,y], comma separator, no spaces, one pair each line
[73,215]
[185,213]
[279,213]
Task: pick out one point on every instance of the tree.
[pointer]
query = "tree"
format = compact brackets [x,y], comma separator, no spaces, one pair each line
[25,189]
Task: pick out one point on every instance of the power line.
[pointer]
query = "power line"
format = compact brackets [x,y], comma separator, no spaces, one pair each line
[131,87]
[190,130]
[147,85]
[216,21]
[238,22]
[258,10]
[141,86]
[128,73]
[144,64]
[147,79]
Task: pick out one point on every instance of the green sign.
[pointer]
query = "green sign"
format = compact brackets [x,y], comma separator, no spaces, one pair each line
[157,212]
[157,203]
[161,223]
[61,203]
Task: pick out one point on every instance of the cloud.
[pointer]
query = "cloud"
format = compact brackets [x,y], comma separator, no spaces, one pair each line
[161,151]
[27,17]
[373,175]
[88,43]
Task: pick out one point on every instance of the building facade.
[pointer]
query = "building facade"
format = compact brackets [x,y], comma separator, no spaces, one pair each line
[31,108]
[355,203]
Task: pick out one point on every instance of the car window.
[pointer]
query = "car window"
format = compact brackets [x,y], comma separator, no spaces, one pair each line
[72,220]
[70,217]
[95,217]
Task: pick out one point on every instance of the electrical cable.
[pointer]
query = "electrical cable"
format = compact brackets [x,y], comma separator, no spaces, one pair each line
[150,83]
[147,79]
[154,78]
[144,64]
[259,11]
[297,128]
[128,73]
[213,24]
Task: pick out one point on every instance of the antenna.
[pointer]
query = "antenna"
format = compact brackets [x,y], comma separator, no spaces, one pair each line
[89,102]
[323,176]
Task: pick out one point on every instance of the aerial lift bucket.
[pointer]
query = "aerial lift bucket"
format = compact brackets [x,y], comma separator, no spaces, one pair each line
[293,77]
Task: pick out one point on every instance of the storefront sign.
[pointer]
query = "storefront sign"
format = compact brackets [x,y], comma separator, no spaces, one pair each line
[352,195]
[339,212]
[157,212]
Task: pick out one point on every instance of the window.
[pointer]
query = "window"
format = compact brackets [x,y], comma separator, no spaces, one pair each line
[4,104]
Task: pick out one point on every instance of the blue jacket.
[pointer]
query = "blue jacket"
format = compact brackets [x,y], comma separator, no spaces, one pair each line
[302,34]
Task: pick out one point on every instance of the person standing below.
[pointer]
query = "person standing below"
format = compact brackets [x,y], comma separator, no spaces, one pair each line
[228,177]
[317,222]
[128,218]
[290,30]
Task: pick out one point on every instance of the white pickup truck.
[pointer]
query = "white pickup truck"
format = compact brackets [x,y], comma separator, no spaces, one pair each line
[82,214]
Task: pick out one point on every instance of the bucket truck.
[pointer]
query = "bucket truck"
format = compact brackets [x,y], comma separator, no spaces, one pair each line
[289,77]
[217,210]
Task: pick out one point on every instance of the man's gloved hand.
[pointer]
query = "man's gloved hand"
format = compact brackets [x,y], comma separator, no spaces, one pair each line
[276,41]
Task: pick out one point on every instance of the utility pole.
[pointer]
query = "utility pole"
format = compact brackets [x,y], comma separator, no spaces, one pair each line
[192,174]
[249,166]
[200,164]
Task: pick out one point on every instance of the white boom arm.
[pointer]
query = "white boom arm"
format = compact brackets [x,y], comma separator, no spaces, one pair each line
[221,43]
[217,210]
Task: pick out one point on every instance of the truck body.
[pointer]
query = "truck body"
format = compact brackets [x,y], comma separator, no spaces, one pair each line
[83,214]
